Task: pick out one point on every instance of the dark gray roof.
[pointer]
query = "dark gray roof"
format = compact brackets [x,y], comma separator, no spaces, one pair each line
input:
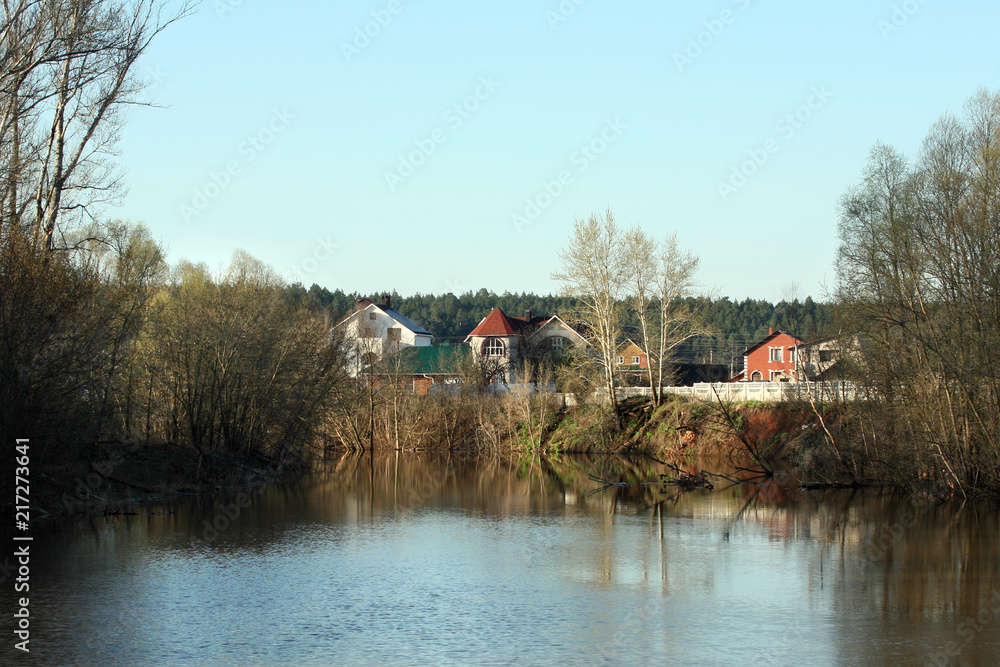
[404,320]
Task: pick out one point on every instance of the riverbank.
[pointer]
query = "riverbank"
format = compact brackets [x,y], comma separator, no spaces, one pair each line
[115,477]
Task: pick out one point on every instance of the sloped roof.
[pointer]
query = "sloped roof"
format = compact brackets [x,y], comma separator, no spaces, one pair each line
[434,359]
[767,339]
[556,321]
[404,320]
[498,323]
[396,316]
[628,344]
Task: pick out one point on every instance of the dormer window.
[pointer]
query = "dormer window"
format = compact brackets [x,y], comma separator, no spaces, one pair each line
[493,347]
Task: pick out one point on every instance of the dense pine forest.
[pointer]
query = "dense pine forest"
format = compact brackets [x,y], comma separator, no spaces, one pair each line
[730,326]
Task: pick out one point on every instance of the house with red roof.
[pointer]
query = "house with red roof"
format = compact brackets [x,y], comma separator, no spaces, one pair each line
[504,342]
[772,359]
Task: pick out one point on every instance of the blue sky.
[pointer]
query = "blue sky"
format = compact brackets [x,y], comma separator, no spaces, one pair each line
[440,147]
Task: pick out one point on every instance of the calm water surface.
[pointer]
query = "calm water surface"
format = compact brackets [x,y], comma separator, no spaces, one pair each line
[409,560]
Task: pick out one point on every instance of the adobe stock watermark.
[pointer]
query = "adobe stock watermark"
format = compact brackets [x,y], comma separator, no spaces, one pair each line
[456,286]
[248,150]
[323,252]
[229,512]
[417,495]
[891,534]
[87,487]
[901,15]
[364,34]
[225,7]
[454,117]
[563,12]
[968,630]
[579,162]
[705,39]
[152,76]
[786,128]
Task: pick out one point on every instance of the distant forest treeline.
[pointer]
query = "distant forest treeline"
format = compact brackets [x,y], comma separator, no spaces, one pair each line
[735,324]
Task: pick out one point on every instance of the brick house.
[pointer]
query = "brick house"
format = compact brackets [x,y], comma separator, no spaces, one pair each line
[422,368]
[773,359]
[631,364]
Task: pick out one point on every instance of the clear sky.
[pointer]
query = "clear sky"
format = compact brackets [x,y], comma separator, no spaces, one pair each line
[443,146]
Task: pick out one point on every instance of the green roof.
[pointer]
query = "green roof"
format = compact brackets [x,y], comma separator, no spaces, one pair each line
[434,359]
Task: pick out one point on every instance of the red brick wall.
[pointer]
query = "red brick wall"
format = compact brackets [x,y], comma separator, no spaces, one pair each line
[760,359]
[422,385]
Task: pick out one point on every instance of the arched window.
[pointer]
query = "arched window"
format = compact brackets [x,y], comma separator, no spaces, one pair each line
[756,376]
[493,347]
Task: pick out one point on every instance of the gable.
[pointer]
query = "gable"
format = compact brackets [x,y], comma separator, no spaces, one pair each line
[776,339]
[554,326]
[630,349]
[495,324]
[361,316]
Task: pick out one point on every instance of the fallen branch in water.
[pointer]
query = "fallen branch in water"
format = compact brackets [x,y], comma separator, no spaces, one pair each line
[606,483]
[685,479]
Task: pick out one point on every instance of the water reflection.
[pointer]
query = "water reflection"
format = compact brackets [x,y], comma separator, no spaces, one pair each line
[422,559]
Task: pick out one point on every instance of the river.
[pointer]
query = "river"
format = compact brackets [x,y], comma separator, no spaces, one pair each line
[415,559]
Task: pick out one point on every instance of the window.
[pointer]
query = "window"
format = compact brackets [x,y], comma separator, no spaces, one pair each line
[371,316]
[777,376]
[756,376]
[776,354]
[826,355]
[558,342]
[621,361]
[493,347]
[393,333]
[635,361]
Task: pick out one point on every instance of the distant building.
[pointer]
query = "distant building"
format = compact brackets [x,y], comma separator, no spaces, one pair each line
[504,342]
[773,359]
[686,374]
[422,369]
[631,365]
[373,331]
[827,358]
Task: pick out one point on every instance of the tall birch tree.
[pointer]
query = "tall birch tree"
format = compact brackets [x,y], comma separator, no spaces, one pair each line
[660,276]
[594,271]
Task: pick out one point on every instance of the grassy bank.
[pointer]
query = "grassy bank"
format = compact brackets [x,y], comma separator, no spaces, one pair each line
[813,442]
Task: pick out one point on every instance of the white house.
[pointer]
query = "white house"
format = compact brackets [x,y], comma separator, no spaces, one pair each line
[829,358]
[373,331]
[507,341]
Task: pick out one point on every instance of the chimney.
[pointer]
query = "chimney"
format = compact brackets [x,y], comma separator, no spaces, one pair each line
[527,316]
[386,301]
[770,331]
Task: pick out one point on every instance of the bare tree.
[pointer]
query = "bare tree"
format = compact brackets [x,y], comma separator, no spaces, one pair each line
[919,274]
[660,275]
[641,267]
[67,72]
[676,322]
[594,271]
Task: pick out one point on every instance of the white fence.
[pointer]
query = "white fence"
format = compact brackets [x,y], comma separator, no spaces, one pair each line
[765,392]
[730,392]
